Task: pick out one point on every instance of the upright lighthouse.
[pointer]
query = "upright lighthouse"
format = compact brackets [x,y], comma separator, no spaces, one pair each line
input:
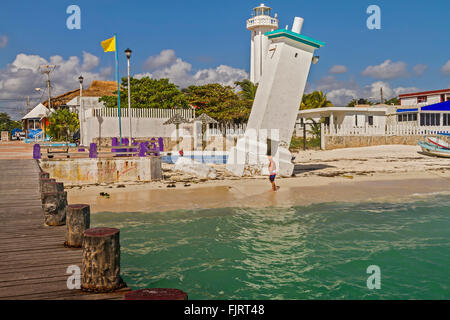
[260,23]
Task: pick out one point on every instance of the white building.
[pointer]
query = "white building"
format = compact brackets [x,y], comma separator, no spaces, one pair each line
[260,23]
[361,116]
[424,98]
[426,108]
[377,119]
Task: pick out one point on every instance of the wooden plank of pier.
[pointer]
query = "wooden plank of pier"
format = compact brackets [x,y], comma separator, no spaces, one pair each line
[33,259]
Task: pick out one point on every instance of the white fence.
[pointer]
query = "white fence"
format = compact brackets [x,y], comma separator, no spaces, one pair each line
[226,129]
[389,130]
[188,114]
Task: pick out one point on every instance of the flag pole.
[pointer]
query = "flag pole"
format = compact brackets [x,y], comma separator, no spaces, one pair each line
[118,90]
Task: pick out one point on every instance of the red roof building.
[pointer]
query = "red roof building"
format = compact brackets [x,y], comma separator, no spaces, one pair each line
[424,98]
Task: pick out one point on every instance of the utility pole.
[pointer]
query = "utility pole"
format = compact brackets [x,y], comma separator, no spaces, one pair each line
[46,69]
[28,104]
[381,94]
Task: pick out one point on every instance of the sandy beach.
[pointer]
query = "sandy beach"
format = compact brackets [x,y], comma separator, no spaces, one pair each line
[380,173]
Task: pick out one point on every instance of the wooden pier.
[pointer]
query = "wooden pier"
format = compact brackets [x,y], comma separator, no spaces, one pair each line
[33,259]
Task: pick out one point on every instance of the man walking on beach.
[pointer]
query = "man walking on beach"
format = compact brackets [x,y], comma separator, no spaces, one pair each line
[272,173]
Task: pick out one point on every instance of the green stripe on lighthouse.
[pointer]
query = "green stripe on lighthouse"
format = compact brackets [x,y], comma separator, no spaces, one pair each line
[295,36]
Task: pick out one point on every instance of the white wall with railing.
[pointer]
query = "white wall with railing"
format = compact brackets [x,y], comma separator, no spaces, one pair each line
[104,123]
[141,113]
[391,130]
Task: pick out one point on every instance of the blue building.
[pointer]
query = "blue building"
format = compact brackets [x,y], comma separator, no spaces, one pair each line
[437,114]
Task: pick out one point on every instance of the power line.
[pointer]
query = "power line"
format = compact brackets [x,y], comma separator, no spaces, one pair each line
[9,108]
[18,99]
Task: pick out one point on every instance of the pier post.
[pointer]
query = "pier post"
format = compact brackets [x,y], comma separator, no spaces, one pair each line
[156,294]
[77,221]
[142,149]
[43,181]
[161,144]
[100,265]
[44,175]
[93,151]
[36,151]
[155,168]
[52,186]
[54,205]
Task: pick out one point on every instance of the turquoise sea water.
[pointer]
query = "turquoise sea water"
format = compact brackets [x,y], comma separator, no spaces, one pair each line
[319,251]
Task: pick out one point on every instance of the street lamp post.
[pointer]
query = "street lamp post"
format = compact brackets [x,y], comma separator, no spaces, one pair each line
[80,79]
[128,54]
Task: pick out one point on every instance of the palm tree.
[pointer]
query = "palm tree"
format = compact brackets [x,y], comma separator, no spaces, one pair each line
[316,99]
[248,89]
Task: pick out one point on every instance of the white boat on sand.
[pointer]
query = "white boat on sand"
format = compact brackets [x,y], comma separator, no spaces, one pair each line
[440,141]
[433,150]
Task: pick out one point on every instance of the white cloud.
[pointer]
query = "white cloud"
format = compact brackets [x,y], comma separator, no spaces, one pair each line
[222,74]
[89,61]
[26,62]
[388,91]
[20,78]
[446,68]
[338,92]
[164,58]
[341,97]
[386,70]
[372,91]
[143,75]
[328,83]
[3,41]
[419,69]
[106,72]
[338,69]
[341,92]
[167,65]
[401,90]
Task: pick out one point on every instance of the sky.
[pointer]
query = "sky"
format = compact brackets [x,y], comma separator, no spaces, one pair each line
[199,41]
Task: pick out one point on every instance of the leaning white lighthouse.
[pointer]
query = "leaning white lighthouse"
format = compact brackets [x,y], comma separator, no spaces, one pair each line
[260,23]
[271,123]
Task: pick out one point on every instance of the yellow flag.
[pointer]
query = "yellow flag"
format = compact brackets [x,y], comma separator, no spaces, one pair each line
[109,44]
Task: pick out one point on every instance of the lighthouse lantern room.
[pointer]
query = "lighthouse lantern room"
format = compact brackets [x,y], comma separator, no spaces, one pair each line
[260,23]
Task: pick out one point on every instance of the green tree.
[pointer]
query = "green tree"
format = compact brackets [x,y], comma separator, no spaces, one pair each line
[395,101]
[354,102]
[62,125]
[148,93]
[315,127]
[316,99]
[218,101]
[315,132]
[6,124]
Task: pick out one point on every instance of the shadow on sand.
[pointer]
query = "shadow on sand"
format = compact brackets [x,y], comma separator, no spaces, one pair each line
[299,168]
